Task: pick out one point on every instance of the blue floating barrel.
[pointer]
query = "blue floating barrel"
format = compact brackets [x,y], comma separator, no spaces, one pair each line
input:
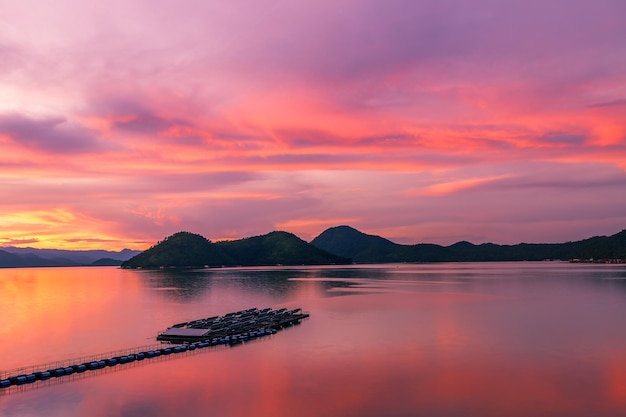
[140,356]
[166,351]
[79,368]
[5,383]
[20,379]
[157,353]
[69,370]
[58,372]
[183,348]
[102,364]
[123,359]
[191,346]
[150,354]
[31,378]
[43,375]
[111,362]
[176,349]
[94,365]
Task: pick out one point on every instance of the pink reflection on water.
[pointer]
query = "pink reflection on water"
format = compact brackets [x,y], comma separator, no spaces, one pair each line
[445,351]
[264,379]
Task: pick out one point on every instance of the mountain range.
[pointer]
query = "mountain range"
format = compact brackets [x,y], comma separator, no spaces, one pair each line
[184,249]
[344,244]
[12,257]
[363,248]
[336,245]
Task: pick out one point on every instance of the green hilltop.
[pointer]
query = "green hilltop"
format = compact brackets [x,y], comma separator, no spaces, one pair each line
[184,249]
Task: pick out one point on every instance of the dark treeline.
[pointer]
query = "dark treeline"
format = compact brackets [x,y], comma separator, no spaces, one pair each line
[344,244]
[363,248]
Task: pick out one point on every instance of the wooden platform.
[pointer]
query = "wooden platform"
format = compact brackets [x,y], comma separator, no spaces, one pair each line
[238,325]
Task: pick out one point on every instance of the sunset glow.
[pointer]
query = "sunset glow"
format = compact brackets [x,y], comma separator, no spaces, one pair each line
[421,121]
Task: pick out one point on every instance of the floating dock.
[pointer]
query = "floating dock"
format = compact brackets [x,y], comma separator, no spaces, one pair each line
[237,326]
[230,329]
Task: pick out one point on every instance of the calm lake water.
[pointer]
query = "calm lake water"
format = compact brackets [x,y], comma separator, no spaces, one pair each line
[466,339]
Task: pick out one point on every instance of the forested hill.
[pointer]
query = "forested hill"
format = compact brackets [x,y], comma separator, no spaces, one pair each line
[184,249]
[181,249]
[278,248]
[363,248]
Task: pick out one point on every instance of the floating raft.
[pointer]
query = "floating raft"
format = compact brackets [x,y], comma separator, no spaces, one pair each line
[230,329]
[237,326]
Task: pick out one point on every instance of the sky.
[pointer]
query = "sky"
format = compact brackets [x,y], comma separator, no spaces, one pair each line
[422,121]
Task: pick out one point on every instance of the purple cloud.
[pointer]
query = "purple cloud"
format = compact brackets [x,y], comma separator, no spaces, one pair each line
[51,134]
[563,138]
[612,103]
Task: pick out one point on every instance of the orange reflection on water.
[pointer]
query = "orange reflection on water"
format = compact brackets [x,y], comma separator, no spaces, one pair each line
[54,309]
[616,378]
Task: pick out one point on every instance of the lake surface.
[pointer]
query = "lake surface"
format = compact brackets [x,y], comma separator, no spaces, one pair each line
[463,339]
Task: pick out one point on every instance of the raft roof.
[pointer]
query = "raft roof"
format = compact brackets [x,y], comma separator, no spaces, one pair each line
[184,332]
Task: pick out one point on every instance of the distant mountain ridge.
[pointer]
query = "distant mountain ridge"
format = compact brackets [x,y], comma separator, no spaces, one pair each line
[184,249]
[363,248]
[12,257]
[336,245]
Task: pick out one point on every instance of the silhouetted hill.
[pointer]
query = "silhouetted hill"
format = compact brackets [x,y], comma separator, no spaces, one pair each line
[364,248]
[350,243]
[186,249]
[106,262]
[278,248]
[182,249]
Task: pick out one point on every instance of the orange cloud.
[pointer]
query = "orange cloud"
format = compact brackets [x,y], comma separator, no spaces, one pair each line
[455,186]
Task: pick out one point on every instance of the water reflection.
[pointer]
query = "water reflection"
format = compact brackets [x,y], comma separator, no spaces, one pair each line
[181,286]
[277,283]
[513,339]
